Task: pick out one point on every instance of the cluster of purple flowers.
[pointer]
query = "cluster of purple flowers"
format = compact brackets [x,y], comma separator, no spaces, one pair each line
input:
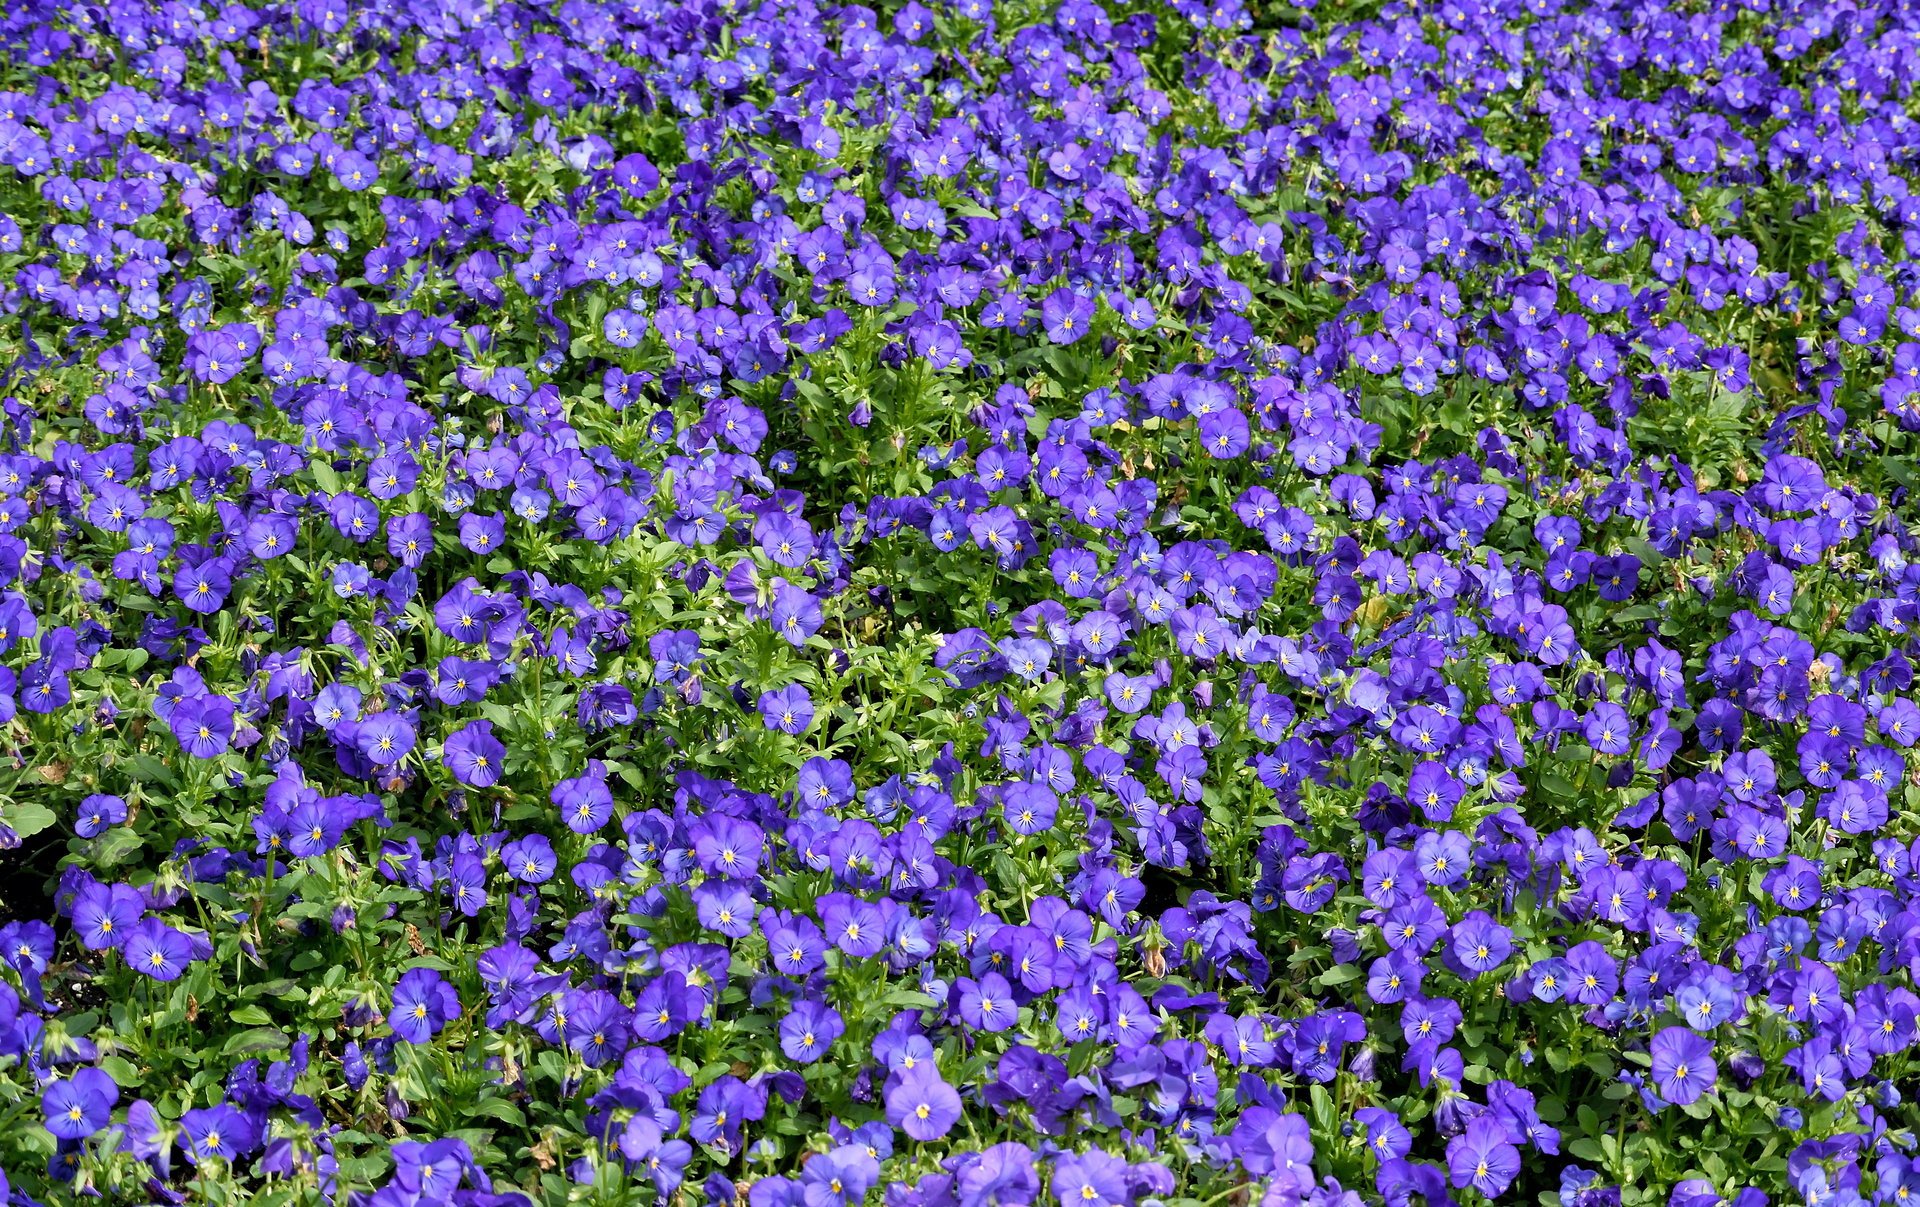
[966,604]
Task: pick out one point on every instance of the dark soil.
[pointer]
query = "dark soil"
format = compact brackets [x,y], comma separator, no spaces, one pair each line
[27,877]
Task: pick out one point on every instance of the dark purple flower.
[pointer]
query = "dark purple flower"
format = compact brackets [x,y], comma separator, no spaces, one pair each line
[157,950]
[923,1105]
[423,1003]
[203,725]
[474,756]
[1683,1067]
[1066,315]
[78,1106]
[1481,1159]
[787,709]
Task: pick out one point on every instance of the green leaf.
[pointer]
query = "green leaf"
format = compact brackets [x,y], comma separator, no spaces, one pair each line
[1558,785]
[123,1072]
[323,476]
[254,1039]
[28,819]
[501,1109]
[116,845]
[150,770]
[1325,1116]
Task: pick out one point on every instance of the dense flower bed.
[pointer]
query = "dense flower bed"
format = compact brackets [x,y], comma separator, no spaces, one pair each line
[971,604]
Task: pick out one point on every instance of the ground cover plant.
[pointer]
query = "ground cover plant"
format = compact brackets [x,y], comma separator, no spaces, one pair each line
[794,604]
